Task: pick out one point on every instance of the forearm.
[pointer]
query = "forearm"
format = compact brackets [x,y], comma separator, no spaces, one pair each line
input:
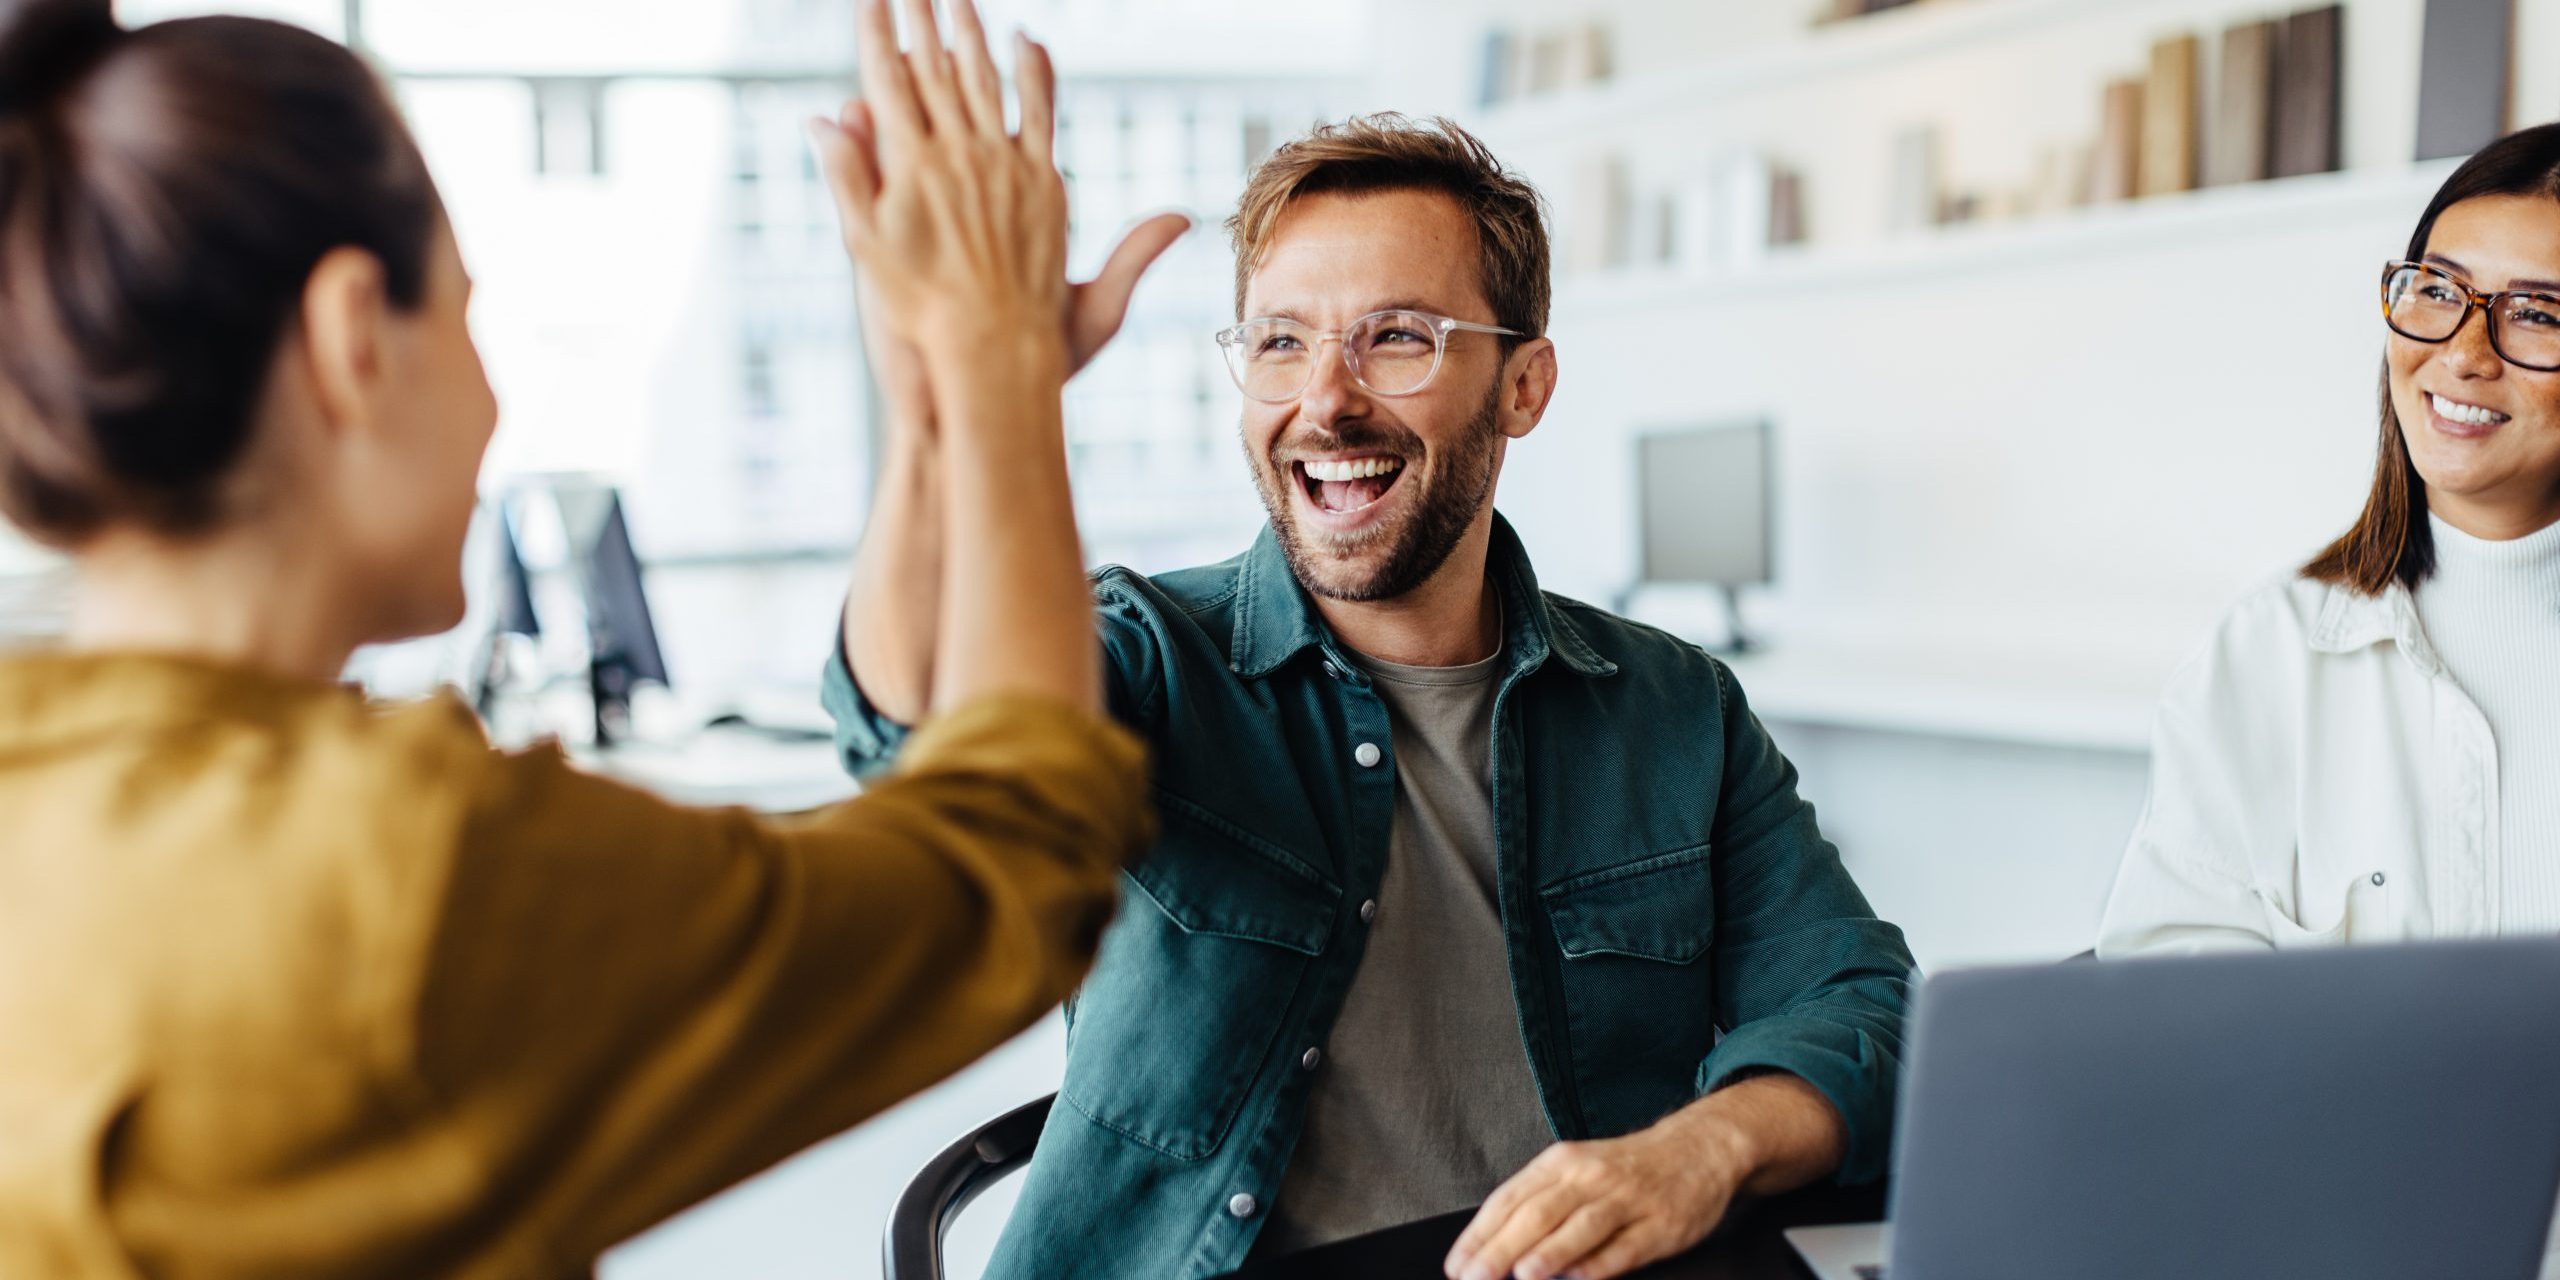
[1016,613]
[1775,1130]
[893,613]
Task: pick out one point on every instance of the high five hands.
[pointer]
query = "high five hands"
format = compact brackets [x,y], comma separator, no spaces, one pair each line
[927,146]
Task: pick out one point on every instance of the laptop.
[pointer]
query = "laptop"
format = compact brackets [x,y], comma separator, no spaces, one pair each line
[2348,1114]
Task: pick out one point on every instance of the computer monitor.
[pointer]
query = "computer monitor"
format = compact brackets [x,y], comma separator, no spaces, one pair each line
[498,576]
[1704,503]
[514,586]
[622,639]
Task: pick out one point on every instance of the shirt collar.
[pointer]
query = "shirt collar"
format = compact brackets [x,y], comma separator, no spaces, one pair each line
[1275,621]
[2351,620]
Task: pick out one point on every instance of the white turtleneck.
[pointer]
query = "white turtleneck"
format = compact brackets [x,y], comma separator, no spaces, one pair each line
[2492,611]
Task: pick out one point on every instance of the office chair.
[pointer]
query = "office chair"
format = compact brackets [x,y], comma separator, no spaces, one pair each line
[949,1181]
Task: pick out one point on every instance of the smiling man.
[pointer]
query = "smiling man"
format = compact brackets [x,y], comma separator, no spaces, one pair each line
[1467,893]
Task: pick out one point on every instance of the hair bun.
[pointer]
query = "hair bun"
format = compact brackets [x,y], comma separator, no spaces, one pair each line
[45,43]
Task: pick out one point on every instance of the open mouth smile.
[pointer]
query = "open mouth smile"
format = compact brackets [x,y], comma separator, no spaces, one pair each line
[1346,491]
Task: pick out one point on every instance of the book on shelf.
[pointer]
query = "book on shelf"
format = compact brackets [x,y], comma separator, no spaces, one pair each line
[1493,85]
[2306,98]
[1521,80]
[2116,169]
[2237,145]
[1548,51]
[1599,212]
[2168,150]
[1660,243]
[1745,199]
[1917,181]
[1788,223]
[2463,75]
[1588,57]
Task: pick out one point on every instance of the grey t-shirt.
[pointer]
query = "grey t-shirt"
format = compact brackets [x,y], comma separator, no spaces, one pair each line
[1425,1103]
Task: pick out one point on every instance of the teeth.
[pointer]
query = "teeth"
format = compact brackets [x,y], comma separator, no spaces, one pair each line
[2467,414]
[1351,469]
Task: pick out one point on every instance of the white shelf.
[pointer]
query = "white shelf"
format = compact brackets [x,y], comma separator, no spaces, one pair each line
[2033,700]
[1849,48]
[2089,230]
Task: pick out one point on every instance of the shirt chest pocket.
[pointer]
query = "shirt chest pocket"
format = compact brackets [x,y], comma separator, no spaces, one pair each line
[2346,904]
[1638,983]
[1217,930]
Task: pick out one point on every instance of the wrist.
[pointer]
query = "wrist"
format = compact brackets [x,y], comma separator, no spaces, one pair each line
[980,336]
[1723,1135]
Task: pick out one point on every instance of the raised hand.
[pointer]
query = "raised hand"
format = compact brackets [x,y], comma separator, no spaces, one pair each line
[1094,311]
[957,223]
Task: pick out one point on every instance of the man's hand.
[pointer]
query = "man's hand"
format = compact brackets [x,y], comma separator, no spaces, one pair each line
[1593,1210]
[1598,1209]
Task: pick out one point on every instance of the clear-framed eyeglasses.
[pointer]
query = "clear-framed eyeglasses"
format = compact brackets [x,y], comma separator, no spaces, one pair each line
[2424,304]
[1393,353]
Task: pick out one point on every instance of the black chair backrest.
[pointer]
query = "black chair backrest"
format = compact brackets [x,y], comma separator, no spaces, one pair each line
[948,1182]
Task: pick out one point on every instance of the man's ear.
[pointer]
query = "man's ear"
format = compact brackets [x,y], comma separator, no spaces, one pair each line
[345,313]
[1528,384]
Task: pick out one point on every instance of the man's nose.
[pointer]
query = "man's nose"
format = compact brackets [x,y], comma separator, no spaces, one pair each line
[1332,393]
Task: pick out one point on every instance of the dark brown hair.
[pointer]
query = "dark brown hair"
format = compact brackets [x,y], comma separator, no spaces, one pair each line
[2391,541]
[164,195]
[1388,152]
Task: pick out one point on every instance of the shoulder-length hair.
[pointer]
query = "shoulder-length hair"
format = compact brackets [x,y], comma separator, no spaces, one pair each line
[2391,541]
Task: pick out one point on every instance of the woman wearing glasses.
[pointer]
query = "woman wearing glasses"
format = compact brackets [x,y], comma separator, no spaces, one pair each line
[292,983]
[2371,750]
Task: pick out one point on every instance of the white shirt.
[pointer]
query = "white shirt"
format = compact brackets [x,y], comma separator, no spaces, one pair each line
[2317,776]
[2492,610]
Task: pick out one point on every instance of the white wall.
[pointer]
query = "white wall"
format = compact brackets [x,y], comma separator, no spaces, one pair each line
[2069,442]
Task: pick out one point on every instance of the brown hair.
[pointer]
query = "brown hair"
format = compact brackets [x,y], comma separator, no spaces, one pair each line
[1389,152]
[164,195]
[2391,541]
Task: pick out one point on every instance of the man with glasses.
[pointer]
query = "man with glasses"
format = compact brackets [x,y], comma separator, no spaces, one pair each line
[1466,893]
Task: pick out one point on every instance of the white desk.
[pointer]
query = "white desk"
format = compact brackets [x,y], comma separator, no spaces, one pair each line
[727,766]
[2033,700]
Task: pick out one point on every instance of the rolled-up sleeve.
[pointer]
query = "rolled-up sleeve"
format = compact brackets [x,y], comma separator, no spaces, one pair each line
[628,1005]
[867,741]
[1132,671]
[1808,981]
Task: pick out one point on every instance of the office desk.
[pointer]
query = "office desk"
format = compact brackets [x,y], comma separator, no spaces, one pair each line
[724,766]
[1747,1247]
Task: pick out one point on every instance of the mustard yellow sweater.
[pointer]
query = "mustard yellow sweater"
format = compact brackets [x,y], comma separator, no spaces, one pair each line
[297,984]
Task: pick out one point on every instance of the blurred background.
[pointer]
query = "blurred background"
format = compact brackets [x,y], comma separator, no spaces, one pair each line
[1966,356]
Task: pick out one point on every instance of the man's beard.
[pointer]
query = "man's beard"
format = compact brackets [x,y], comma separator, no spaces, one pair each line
[1436,518]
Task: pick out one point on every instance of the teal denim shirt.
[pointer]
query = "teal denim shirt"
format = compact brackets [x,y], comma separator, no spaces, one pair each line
[1674,918]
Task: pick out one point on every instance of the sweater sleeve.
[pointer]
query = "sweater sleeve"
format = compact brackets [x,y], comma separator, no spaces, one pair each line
[2219,803]
[630,1005]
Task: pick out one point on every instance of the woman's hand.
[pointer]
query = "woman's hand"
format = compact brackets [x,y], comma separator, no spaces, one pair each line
[1094,310]
[957,223]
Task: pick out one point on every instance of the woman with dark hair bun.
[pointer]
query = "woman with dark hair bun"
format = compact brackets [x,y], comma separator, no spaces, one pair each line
[295,983]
